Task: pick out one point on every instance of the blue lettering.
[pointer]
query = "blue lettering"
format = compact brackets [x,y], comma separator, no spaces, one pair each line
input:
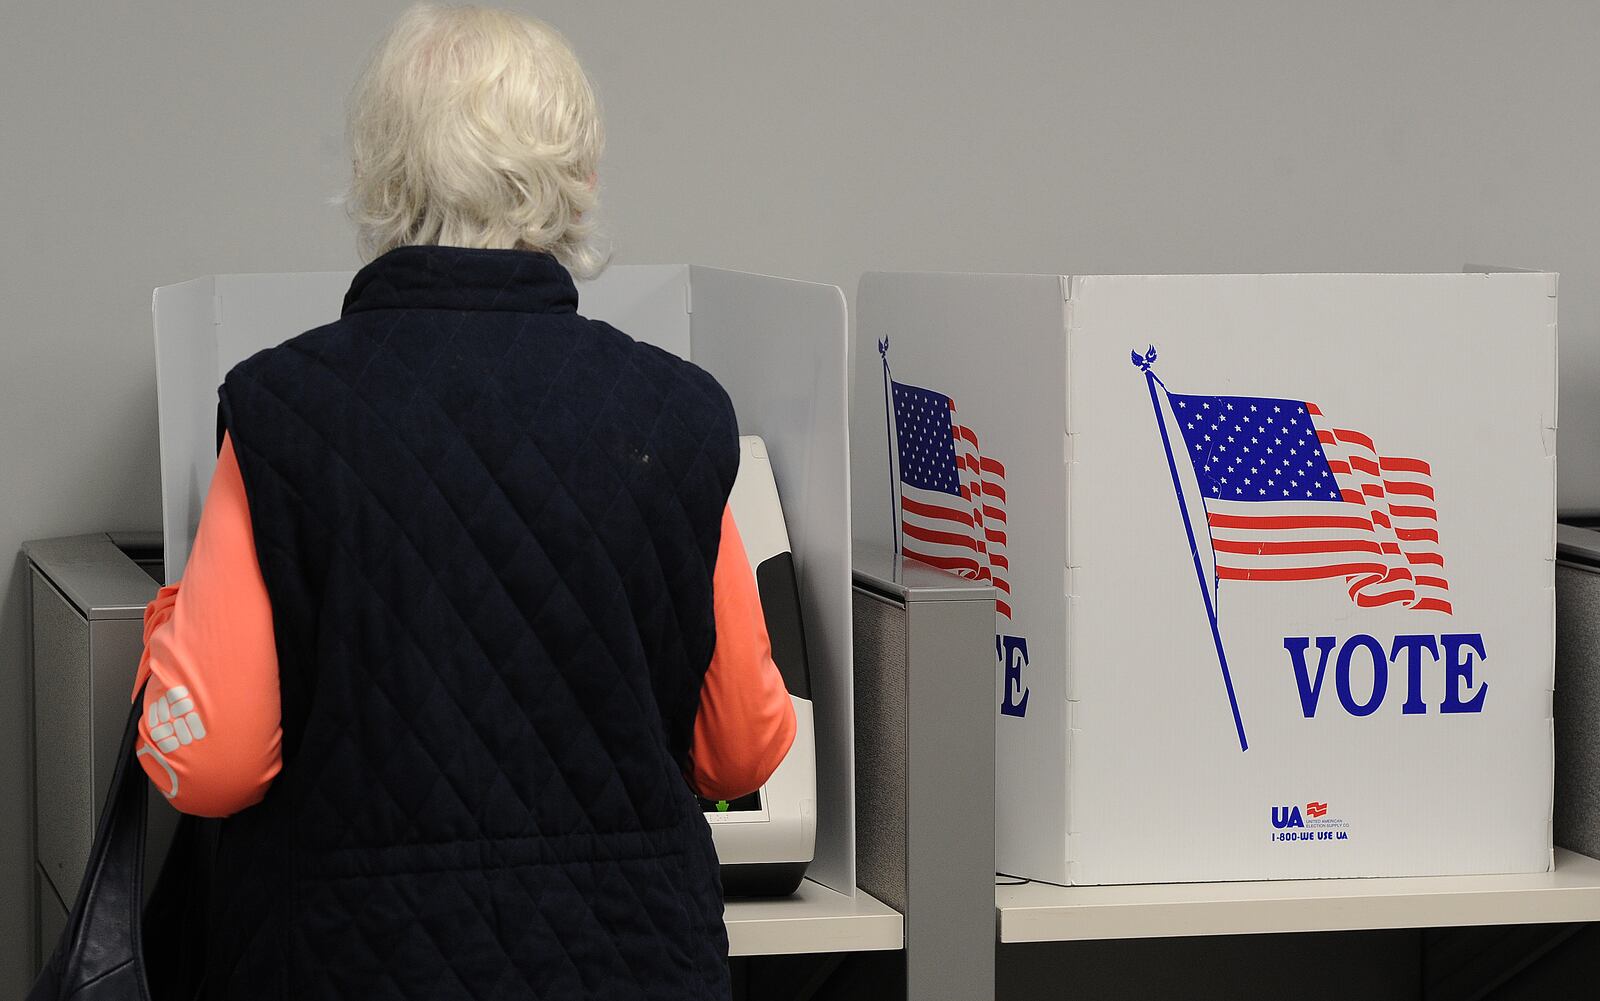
[1380,675]
[1413,646]
[1458,651]
[1013,654]
[1310,691]
[1286,816]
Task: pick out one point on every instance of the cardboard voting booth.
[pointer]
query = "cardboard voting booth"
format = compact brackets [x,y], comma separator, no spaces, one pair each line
[777,346]
[1274,552]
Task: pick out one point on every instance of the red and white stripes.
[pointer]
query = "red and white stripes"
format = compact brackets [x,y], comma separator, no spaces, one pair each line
[967,537]
[1396,494]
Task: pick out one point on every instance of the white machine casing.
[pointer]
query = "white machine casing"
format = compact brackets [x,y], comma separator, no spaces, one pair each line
[765,848]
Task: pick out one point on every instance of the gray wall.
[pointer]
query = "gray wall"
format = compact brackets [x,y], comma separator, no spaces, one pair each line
[147,143]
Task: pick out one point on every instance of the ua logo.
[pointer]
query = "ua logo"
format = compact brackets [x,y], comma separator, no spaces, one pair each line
[1287,816]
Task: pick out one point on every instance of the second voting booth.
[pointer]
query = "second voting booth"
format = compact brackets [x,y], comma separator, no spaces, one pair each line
[1274,556]
[777,346]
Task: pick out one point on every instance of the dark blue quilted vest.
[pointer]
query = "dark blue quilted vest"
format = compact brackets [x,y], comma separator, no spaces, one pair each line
[487,526]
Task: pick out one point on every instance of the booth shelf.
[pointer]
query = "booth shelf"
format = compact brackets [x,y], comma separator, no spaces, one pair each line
[815,919]
[1041,912]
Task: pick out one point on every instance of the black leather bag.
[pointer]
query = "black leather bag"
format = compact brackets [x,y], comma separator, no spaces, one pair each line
[101,953]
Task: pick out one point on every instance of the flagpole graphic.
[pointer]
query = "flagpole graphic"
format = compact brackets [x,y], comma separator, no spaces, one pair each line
[888,420]
[1144,363]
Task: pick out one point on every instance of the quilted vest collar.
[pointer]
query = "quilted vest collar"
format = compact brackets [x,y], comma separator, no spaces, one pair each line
[463,278]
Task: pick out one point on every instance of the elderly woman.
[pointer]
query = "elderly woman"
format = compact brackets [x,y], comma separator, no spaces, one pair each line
[467,624]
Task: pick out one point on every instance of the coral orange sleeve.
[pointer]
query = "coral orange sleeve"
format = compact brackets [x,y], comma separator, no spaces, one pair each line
[746,723]
[210,737]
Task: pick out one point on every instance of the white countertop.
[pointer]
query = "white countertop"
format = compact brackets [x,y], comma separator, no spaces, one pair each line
[1040,912]
[815,919]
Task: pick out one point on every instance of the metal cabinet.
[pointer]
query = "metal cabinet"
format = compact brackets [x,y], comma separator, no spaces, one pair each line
[924,723]
[88,594]
[1576,812]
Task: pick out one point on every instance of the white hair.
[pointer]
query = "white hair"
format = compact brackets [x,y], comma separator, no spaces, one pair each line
[475,127]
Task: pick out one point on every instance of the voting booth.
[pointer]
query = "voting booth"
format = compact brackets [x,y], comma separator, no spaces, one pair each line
[1274,556]
[777,346]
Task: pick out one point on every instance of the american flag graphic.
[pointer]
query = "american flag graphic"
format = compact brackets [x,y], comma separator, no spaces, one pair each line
[1288,496]
[952,496]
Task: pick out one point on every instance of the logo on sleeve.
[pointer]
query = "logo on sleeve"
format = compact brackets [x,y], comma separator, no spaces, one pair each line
[173,723]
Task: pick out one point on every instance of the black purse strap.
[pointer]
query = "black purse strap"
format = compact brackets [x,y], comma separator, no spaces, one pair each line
[100,956]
